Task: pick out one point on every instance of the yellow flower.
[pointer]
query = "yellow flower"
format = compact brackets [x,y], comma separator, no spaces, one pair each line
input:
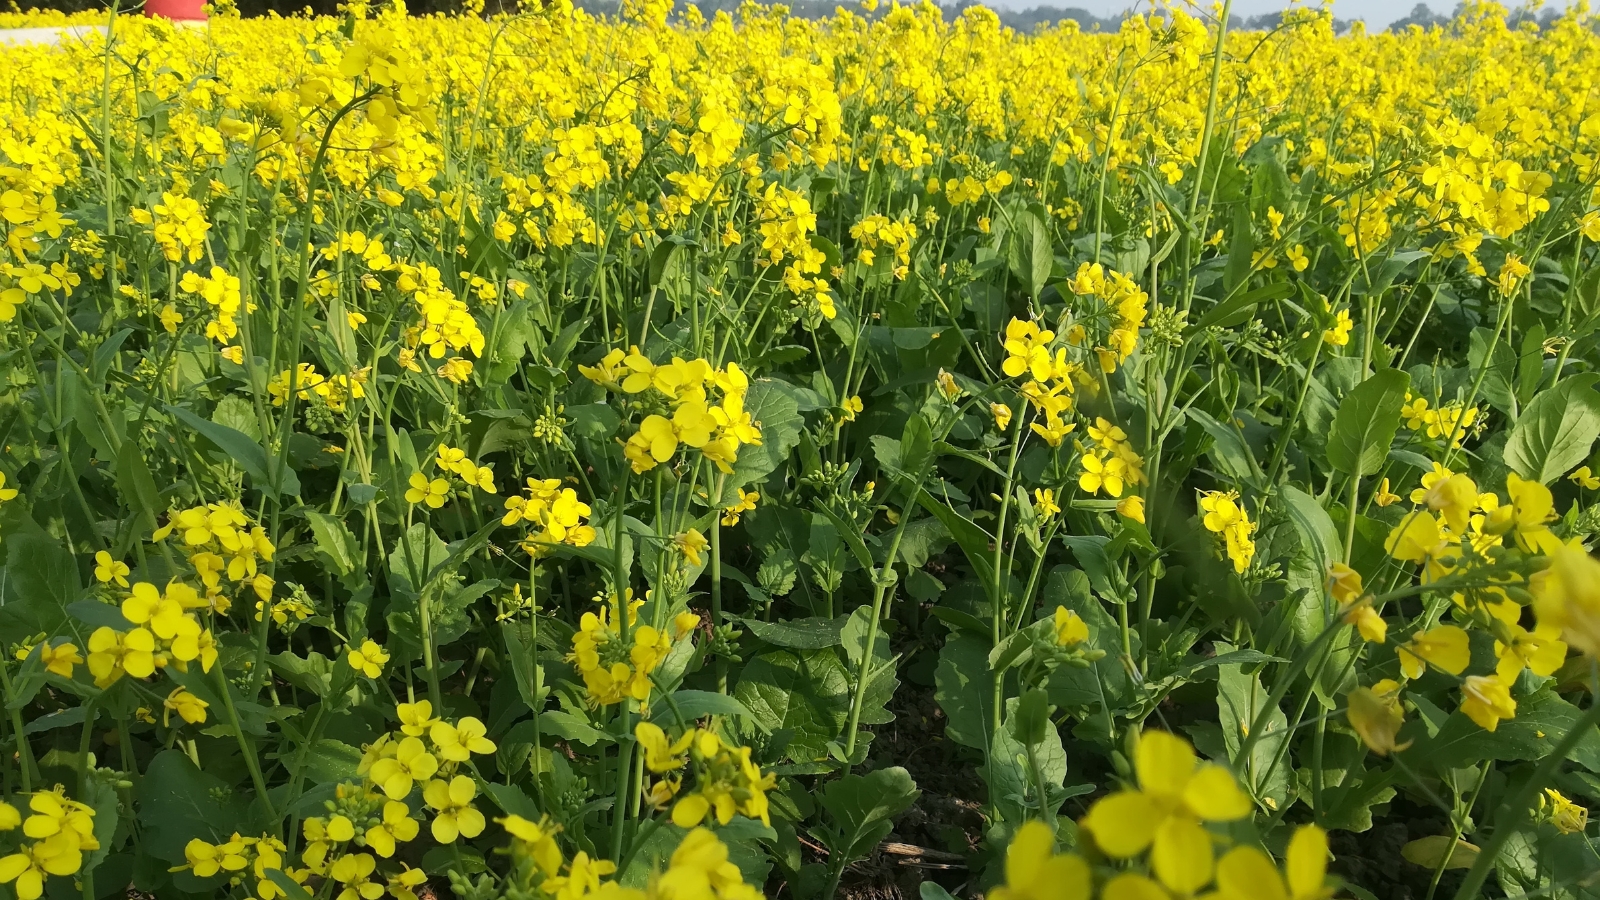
[411,763]
[1069,628]
[424,491]
[1566,816]
[1002,415]
[1583,478]
[690,543]
[660,755]
[1034,871]
[456,814]
[185,704]
[415,718]
[1246,873]
[1541,650]
[747,502]
[1567,596]
[1132,507]
[1454,498]
[1344,583]
[1175,795]
[1339,334]
[1376,715]
[1445,646]
[107,570]
[369,660]
[396,827]
[5,492]
[537,839]
[1101,470]
[1045,503]
[1368,623]
[1383,496]
[458,742]
[1486,700]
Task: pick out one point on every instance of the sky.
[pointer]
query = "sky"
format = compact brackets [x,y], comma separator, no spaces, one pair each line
[1376,13]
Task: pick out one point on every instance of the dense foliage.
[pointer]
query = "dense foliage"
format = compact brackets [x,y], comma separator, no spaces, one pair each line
[550,456]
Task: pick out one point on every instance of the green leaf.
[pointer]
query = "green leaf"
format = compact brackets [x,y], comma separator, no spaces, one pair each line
[964,689]
[862,809]
[1228,450]
[178,802]
[240,448]
[973,540]
[138,487]
[694,705]
[1365,425]
[1009,773]
[813,633]
[1030,721]
[572,727]
[334,541]
[1240,700]
[1236,308]
[41,582]
[1542,720]
[773,404]
[806,692]
[881,680]
[1556,431]
[290,888]
[29,678]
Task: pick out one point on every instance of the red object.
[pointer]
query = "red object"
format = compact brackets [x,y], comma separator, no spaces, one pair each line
[177,10]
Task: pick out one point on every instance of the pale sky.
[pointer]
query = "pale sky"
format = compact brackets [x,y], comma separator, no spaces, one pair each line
[1377,13]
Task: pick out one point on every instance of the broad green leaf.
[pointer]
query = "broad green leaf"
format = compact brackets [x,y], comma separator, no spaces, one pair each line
[1556,431]
[806,692]
[334,541]
[862,809]
[1542,720]
[1240,700]
[240,448]
[798,634]
[964,689]
[694,705]
[1031,718]
[1365,425]
[138,487]
[772,403]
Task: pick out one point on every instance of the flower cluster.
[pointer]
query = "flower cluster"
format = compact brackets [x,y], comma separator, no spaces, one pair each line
[716,429]
[166,632]
[1110,464]
[220,539]
[726,783]
[59,830]
[1116,315]
[617,667]
[556,512]
[1049,383]
[1224,516]
[241,857]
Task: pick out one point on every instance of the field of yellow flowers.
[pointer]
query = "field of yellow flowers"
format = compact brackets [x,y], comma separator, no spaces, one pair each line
[547,457]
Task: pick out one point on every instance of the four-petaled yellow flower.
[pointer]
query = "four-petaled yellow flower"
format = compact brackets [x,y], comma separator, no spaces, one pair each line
[1176,794]
[369,660]
[424,491]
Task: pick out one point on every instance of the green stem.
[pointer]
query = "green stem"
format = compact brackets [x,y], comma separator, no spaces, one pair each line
[1516,804]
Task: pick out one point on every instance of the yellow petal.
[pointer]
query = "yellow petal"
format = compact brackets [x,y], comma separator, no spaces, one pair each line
[1181,855]
[1164,762]
[1030,847]
[1307,860]
[1123,823]
[1213,795]
[1246,873]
